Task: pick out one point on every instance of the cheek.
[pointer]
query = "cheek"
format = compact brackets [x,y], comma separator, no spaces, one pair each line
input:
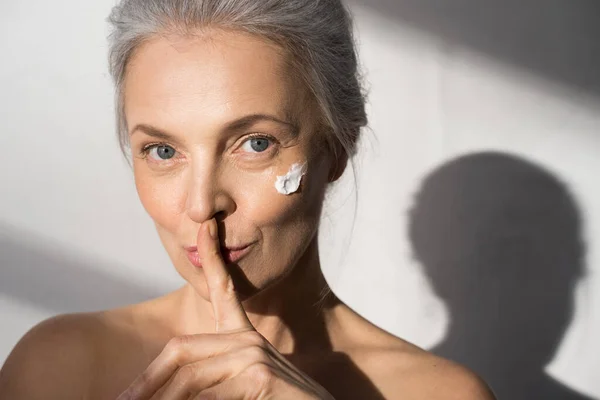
[259,201]
[161,197]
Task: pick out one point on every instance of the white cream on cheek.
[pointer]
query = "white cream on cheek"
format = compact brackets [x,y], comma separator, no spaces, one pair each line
[290,182]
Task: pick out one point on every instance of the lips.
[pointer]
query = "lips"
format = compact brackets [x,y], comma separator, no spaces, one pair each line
[230,254]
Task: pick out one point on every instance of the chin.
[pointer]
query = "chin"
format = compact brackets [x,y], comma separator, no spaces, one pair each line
[246,286]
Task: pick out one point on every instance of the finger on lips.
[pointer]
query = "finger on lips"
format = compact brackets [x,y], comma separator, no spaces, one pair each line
[227,309]
[203,360]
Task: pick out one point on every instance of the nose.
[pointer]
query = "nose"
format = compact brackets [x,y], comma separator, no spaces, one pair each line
[207,196]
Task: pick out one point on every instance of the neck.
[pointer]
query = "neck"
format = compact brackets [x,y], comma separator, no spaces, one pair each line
[294,314]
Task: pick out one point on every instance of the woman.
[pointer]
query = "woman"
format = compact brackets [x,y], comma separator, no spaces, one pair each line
[237,115]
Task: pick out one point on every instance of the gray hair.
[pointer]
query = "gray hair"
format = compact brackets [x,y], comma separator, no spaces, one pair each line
[317,34]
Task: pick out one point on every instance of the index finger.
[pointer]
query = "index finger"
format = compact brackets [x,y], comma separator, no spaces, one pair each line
[228,311]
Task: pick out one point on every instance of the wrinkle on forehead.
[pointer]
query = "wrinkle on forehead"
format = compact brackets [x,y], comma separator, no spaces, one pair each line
[231,93]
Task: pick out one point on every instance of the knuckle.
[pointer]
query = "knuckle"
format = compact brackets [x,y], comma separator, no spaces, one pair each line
[207,395]
[175,346]
[229,286]
[261,374]
[229,293]
[143,379]
[225,288]
[256,353]
[175,343]
[184,376]
[219,285]
[253,338]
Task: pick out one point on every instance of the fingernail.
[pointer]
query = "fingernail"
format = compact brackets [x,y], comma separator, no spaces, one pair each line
[212,229]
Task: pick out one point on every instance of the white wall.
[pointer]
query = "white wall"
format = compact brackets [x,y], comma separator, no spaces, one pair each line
[74,237]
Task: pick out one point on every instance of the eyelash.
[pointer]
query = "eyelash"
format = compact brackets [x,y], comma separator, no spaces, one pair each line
[270,138]
[146,149]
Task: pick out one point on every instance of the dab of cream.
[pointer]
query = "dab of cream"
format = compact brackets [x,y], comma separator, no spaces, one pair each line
[290,182]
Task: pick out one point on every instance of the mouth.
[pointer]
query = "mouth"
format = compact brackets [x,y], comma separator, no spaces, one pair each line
[229,254]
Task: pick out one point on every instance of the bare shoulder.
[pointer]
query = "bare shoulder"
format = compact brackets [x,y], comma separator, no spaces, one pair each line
[45,361]
[414,373]
[61,357]
[402,370]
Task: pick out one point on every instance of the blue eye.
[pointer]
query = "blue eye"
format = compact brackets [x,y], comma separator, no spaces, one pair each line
[257,144]
[160,151]
[165,152]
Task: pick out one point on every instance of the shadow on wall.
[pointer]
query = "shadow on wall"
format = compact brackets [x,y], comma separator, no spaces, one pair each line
[555,39]
[35,272]
[500,241]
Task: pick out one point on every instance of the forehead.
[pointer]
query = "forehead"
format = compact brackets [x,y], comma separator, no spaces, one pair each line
[213,78]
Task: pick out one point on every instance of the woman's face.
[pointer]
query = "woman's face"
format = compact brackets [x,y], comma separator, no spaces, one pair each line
[213,121]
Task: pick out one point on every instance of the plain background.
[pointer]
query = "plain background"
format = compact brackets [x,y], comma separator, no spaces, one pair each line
[513,88]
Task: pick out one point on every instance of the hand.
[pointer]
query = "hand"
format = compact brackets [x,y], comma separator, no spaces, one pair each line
[236,362]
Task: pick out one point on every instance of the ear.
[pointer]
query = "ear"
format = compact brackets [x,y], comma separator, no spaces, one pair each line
[338,166]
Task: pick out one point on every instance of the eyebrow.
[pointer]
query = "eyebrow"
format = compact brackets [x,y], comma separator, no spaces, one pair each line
[249,120]
[239,124]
